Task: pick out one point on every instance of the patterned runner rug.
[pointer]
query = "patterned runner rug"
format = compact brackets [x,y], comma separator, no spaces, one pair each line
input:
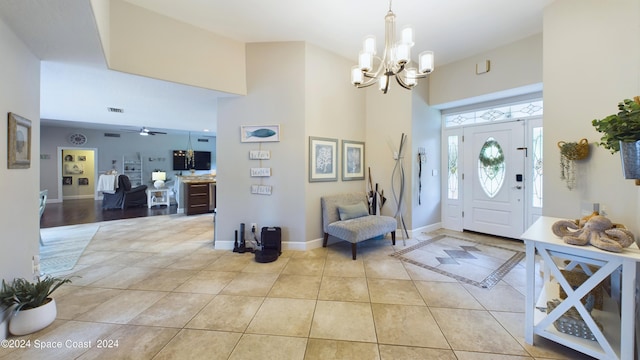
[63,246]
[469,261]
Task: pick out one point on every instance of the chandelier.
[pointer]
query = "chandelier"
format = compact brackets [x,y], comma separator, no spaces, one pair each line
[190,159]
[395,60]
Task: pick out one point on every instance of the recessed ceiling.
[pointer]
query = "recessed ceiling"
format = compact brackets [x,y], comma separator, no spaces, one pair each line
[78,87]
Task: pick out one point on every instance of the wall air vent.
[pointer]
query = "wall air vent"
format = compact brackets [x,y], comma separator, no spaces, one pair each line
[111,135]
[115,110]
[203,140]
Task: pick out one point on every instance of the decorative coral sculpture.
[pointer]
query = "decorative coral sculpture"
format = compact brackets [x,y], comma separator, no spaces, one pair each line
[597,230]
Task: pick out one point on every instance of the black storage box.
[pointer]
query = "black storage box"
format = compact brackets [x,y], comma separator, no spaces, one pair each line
[271,240]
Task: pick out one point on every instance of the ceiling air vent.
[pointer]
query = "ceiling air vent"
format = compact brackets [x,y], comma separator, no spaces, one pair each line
[115,110]
[111,135]
[203,140]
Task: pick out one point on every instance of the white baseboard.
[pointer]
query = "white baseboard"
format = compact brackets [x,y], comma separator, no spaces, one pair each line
[286,245]
[426,229]
[317,243]
[76,197]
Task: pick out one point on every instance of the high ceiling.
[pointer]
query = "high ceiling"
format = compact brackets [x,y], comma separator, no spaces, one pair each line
[78,87]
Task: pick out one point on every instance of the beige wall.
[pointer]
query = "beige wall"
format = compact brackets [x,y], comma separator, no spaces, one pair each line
[425,133]
[591,62]
[152,45]
[517,65]
[275,96]
[298,99]
[388,116]
[102,14]
[334,109]
[19,93]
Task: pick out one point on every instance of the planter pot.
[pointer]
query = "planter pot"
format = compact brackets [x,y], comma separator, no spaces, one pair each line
[29,321]
[630,155]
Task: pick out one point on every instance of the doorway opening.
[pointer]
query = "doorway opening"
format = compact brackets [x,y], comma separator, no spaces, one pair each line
[77,173]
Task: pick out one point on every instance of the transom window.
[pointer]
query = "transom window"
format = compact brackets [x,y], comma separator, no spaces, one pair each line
[499,113]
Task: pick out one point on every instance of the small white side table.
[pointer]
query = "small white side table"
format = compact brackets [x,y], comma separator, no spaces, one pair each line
[616,339]
[158,197]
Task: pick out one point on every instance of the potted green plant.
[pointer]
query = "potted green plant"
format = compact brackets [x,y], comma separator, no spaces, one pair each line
[31,302]
[621,132]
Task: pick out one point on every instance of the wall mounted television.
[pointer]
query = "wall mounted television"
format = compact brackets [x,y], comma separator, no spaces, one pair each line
[202,160]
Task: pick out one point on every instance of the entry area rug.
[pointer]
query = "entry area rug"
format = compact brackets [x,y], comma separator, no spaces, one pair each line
[63,246]
[469,261]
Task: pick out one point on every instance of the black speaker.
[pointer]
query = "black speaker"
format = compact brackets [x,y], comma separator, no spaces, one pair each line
[271,240]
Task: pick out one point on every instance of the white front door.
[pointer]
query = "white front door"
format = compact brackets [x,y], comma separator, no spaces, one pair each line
[493,178]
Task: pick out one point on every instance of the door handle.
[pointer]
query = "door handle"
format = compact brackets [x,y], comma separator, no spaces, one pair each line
[518,187]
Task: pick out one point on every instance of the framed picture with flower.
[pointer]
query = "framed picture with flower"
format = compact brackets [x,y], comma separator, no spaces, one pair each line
[19,141]
[323,157]
[352,160]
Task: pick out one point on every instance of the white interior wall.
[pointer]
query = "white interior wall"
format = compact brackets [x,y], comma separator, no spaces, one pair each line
[19,93]
[274,97]
[582,82]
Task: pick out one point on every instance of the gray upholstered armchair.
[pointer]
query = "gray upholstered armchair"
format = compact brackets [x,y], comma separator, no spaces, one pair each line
[346,217]
[125,196]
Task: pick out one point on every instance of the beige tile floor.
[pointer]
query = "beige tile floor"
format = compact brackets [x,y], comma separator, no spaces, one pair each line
[154,288]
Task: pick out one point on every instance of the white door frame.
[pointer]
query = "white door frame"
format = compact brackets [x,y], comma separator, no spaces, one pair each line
[455,221]
[95,169]
[502,214]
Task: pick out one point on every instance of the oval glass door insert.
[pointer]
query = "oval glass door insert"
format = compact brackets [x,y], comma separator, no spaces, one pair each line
[491,167]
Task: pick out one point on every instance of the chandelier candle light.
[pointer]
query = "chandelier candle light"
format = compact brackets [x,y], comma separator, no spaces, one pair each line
[394,62]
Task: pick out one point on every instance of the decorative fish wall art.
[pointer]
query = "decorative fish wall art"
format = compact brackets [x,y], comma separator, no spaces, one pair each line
[260,133]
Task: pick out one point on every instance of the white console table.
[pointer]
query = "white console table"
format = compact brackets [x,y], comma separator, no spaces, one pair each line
[158,197]
[616,340]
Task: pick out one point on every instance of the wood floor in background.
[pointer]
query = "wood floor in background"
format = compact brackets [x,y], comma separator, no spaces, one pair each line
[84,211]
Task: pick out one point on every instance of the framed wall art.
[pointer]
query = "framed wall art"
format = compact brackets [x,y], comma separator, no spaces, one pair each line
[323,157]
[18,142]
[67,180]
[73,169]
[352,160]
[83,181]
[259,133]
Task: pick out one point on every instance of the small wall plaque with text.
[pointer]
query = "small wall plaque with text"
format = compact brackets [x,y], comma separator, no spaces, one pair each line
[261,189]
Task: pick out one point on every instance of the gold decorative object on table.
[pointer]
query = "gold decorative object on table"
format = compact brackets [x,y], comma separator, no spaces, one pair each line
[595,230]
[569,153]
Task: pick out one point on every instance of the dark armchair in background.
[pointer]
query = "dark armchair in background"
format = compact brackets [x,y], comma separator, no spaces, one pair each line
[125,196]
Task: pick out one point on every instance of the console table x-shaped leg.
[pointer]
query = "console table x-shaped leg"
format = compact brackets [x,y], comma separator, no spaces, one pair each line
[609,265]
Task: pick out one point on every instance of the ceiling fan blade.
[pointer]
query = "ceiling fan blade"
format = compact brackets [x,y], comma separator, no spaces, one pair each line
[157,132]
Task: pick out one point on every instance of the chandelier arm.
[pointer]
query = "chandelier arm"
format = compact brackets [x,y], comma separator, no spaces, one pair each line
[366,84]
[402,83]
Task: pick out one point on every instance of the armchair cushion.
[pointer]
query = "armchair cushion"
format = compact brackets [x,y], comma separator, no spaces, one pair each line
[352,211]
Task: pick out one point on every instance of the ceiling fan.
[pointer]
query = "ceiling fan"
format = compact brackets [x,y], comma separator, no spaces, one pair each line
[145,132]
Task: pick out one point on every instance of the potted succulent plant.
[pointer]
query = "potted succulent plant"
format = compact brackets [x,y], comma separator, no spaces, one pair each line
[621,132]
[31,302]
